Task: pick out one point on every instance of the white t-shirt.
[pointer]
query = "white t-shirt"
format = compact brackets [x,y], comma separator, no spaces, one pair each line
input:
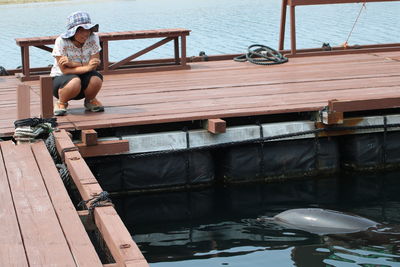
[65,47]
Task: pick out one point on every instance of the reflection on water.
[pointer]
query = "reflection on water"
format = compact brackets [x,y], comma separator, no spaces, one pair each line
[218,26]
[220,226]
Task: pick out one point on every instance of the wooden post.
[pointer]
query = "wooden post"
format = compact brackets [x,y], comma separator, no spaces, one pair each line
[293,29]
[23,101]
[283,25]
[89,137]
[176,50]
[46,97]
[25,63]
[215,126]
[104,52]
[183,50]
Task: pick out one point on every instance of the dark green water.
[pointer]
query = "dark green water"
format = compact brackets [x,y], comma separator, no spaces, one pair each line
[219,227]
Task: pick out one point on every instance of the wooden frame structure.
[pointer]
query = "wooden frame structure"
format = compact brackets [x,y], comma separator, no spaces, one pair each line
[122,66]
[293,3]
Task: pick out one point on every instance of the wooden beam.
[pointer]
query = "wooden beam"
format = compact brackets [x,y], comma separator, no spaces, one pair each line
[23,101]
[64,143]
[46,97]
[363,104]
[104,148]
[283,25]
[330,118]
[45,48]
[119,241]
[117,237]
[89,137]
[138,54]
[215,126]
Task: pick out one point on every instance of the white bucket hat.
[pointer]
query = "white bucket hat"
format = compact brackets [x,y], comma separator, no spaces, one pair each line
[76,20]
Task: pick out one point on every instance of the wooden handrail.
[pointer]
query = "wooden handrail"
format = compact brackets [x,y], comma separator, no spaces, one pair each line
[179,61]
[293,3]
[323,2]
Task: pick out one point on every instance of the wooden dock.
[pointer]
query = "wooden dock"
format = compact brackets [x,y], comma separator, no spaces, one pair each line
[224,89]
[42,227]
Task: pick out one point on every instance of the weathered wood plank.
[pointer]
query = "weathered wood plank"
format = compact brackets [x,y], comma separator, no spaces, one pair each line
[81,247]
[44,240]
[117,237]
[23,101]
[12,250]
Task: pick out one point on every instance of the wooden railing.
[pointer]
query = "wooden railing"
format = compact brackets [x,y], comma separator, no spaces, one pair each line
[293,3]
[123,66]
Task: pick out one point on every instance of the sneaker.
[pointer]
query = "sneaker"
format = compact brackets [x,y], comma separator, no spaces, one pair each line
[93,105]
[60,108]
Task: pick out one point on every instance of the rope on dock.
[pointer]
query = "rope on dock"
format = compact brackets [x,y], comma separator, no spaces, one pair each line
[32,122]
[64,174]
[3,71]
[261,55]
[28,130]
[100,200]
[51,147]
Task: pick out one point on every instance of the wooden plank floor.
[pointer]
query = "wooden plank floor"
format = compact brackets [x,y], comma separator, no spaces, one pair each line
[40,226]
[221,89]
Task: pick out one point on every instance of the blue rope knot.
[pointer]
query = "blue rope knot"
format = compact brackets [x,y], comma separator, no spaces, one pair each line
[100,200]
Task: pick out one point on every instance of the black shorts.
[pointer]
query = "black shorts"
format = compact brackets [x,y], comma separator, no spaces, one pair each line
[61,81]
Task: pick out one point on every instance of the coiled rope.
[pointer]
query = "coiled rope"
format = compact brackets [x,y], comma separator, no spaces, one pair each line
[262,55]
[51,147]
[28,130]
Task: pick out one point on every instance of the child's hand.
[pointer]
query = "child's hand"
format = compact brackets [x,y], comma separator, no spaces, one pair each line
[63,61]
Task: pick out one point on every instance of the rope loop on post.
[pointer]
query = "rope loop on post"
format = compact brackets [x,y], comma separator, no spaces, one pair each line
[100,200]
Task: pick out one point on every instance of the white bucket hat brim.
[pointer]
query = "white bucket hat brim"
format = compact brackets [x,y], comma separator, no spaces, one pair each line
[76,20]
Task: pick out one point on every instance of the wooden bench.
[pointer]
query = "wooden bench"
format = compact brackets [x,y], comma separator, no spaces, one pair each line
[123,66]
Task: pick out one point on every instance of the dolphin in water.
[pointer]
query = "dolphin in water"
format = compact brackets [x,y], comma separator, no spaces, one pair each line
[323,221]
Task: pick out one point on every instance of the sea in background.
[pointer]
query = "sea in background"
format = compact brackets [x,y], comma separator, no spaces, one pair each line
[217,26]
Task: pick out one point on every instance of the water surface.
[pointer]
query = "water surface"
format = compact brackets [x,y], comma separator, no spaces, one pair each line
[218,26]
[220,227]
